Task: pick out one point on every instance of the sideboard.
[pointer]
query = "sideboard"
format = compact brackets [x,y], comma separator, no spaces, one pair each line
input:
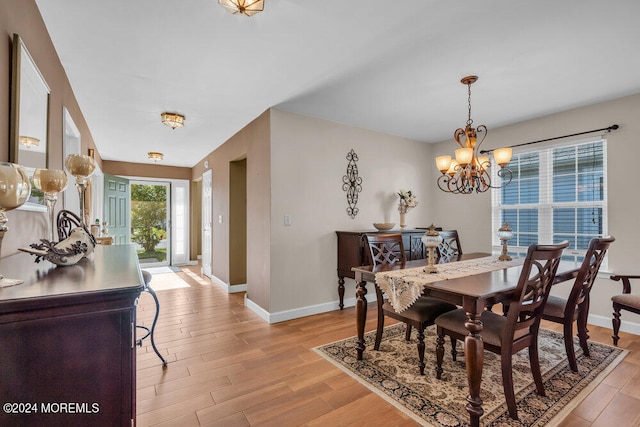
[67,333]
[352,252]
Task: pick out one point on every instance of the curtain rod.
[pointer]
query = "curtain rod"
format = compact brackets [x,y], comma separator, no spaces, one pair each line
[608,129]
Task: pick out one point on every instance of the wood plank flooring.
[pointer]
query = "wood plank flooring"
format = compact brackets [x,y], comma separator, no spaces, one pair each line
[227,367]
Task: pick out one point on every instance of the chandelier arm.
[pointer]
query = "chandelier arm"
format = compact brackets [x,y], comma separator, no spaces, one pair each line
[483,129]
[456,137]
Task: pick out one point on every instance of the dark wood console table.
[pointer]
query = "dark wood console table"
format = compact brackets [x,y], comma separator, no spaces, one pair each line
[353,253]
[67,336]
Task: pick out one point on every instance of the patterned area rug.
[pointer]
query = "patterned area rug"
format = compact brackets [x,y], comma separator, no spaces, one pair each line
[393,373]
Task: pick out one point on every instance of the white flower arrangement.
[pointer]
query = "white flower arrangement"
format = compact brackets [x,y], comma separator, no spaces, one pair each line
[407,201]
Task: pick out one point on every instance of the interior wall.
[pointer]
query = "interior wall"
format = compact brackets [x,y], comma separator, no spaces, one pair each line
[308,160]
[238,222]
[195,220]
[252,143]
[23,18]
[145,170]
[472,214]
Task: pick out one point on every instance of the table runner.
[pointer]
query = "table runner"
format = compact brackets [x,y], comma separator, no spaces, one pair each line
[404,287]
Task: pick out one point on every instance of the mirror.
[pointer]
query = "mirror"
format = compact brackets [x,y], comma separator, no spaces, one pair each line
[29,126]
[29,110]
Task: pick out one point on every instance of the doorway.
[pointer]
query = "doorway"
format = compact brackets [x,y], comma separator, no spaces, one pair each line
[151,222]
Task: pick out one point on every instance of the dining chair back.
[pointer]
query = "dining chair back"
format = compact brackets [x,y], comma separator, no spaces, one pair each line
[575,308]
[450,247]
[66,221]
[388,249]
[507,335]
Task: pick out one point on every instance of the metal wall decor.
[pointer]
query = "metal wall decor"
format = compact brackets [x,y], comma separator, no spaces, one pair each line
[352,184]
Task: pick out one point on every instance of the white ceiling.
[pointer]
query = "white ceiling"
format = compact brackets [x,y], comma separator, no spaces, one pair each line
[390,66]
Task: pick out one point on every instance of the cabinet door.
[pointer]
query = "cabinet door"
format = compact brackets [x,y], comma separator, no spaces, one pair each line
[77,369]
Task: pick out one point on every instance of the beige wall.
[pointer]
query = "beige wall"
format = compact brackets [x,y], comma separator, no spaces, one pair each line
[22,17]
[472,214]
[145,170]
[308,160]
[252,143]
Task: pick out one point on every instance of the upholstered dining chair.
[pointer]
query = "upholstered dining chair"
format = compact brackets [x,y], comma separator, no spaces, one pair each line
[575,308]
[389,249]
[625,301]
[450,247]
[507,335]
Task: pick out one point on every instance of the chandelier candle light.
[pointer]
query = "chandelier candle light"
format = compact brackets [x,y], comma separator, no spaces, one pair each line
[407,201]
[431,240]
[505,233]
[470,171]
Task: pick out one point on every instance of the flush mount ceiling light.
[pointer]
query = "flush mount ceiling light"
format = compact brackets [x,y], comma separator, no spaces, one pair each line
[244,7]
[173,120]
[29,141]
[155,156]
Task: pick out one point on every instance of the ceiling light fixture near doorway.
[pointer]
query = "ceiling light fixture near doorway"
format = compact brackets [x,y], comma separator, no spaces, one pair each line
[155,156]
[243,7]
[173,120]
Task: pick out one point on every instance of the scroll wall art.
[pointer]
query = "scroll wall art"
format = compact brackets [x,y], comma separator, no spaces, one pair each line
[352,184]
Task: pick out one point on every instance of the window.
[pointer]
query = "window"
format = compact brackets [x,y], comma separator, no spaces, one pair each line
[556,194]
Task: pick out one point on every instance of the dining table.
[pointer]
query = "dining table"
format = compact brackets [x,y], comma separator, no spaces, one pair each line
[474,290]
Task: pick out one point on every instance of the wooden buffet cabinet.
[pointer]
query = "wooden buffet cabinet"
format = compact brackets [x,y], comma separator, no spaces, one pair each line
[352,252]
[67,336]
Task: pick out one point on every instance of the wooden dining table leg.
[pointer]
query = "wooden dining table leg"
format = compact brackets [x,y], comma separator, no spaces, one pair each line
[474,358]
[361,314]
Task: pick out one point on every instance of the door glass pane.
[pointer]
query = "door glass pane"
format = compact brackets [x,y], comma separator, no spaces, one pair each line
[149,222]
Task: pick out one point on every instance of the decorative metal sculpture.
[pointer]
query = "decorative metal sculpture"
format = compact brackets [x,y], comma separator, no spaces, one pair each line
[66,252]
[352,184]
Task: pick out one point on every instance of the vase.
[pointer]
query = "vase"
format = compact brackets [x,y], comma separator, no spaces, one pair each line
[403,220]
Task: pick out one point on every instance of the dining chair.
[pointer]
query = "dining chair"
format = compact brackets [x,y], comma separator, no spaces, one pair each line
[388,249]
[625,301]
[575,308]
[507,335]
[450,247]
[65,222]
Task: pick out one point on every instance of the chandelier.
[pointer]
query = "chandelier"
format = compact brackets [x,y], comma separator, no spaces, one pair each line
[244,7]
[173,120]
[470,171]
[155,156]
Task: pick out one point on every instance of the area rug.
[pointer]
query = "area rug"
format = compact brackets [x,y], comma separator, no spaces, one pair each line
[392,372]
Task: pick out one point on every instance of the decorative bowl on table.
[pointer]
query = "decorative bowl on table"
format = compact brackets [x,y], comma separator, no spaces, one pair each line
[384,226]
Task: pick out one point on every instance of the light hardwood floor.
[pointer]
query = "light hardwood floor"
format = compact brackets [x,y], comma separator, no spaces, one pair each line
[227,367]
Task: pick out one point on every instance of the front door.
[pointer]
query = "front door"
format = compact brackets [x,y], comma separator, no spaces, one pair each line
[116,209]
[150,222]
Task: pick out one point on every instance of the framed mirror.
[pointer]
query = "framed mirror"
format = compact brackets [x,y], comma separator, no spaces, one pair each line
[29,126]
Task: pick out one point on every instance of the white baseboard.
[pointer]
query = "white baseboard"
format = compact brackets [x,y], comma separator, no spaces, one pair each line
[231,289]
[192,262]
[282,316]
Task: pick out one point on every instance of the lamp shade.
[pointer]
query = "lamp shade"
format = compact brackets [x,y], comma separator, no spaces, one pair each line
[464,156]
[443,163]
[502,156]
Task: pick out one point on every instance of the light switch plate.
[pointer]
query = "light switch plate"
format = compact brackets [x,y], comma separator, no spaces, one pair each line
[287,220]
